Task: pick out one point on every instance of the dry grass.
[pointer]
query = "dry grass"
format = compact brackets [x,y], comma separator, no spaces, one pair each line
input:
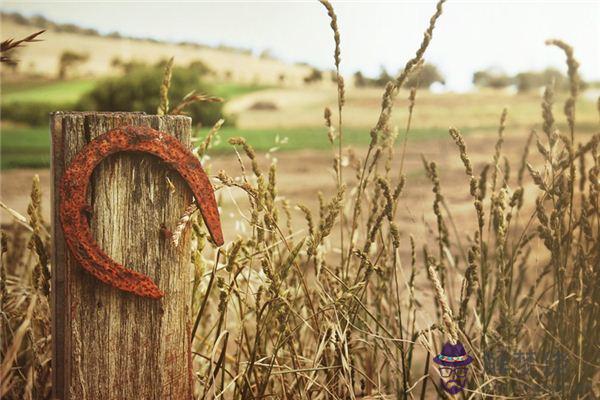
[290,312]
[10,45]
[25,289]
[302,107]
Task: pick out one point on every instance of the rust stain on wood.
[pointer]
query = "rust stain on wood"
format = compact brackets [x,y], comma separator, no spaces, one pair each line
[73,207]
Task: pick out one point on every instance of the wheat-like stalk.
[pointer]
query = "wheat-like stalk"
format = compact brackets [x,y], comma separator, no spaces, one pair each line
[163,107]
[440,295]
[192,98]
[10,44]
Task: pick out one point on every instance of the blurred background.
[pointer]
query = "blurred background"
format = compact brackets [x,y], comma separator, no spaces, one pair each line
[272,63]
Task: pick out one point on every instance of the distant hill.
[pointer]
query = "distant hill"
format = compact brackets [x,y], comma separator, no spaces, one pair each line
[231,64]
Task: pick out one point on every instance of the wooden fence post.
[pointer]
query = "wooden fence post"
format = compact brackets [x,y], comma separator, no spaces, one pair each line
[109,344]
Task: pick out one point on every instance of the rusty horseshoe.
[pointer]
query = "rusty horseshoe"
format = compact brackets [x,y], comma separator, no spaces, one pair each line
[73,207]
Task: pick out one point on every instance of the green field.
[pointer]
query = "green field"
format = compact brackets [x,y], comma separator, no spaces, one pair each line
[60,92]
[30,147]
[231,90]
[25,148]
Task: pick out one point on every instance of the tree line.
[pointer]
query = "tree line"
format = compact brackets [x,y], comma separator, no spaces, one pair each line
[523,81]
[428,74]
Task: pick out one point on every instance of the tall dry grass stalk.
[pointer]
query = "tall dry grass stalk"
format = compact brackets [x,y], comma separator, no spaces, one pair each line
[340,100]
[8,46]
[163,107]
[25,317]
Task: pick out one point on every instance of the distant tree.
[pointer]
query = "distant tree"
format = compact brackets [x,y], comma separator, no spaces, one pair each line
[88,31]
[116,62]
[126,66]
[492,79]
[314,76]
[18,18]
[526,81]
[200,68]
[550,75]
[42,22]
[424,77]
[530,80]
[359,79]
[333,76]
[383,78]
[69,28]
[69,59]
[266,54]
[139,91]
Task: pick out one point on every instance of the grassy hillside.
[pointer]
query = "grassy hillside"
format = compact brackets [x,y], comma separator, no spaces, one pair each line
[297,120]
[43,57]
[59,92]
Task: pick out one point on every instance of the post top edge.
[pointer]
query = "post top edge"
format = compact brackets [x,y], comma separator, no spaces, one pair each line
[113,113]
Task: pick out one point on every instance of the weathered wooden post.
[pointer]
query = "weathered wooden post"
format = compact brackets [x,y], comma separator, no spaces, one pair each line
[110,344]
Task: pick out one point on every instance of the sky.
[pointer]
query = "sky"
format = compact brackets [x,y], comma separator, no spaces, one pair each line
[470,36]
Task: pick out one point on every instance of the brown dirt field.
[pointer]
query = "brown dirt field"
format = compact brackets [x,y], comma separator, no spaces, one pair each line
[302,174]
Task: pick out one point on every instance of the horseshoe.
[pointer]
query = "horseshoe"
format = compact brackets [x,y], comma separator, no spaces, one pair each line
[73,207]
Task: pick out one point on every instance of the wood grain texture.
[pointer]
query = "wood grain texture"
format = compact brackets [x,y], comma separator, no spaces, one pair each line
[110,344]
